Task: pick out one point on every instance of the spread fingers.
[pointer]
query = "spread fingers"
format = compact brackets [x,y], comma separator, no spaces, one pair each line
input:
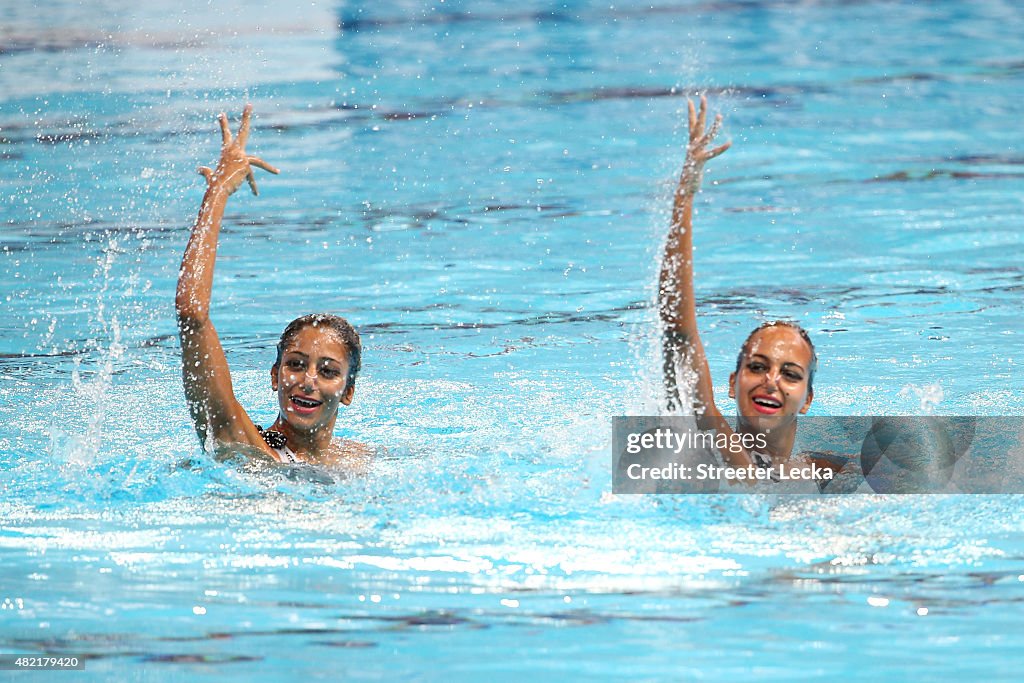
[259,163]
[713,132]
[718,150]
[225,132]
[243,129]
[694,132]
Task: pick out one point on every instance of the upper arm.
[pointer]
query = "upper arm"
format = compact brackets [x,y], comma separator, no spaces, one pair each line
[687,375]
[211,399]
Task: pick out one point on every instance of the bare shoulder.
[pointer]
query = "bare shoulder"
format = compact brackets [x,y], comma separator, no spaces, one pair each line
[351,456]
[256,454]
[831,460]
[845,474]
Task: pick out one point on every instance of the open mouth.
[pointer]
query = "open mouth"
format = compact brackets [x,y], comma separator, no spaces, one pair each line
[766,405]
[304,406]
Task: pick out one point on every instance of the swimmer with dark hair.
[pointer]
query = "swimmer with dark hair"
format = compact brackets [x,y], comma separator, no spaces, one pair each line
[773,380]
[318,355]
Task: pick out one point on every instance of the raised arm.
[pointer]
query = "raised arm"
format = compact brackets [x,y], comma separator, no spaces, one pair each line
[682,345]
[211,399]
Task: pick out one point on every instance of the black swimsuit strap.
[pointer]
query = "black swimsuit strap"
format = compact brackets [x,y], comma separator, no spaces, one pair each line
[274,438]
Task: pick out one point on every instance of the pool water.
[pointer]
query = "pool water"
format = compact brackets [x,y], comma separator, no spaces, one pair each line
[482,189]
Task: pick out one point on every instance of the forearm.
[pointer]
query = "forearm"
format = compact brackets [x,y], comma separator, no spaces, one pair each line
[683,350]
[205,373]
[195,279]
[676,304]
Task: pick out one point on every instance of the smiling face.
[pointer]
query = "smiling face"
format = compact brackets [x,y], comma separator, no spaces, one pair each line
[772,384]
[312,379]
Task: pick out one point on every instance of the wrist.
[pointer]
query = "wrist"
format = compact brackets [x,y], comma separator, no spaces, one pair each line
[217,193]
[226,179]
[688,189]
[689,181]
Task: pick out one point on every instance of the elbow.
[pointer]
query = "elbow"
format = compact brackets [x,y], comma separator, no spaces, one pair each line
[675,334]
[671,303]
[668,312]
[188,304]
[189,311]
[679,344]
[670,319]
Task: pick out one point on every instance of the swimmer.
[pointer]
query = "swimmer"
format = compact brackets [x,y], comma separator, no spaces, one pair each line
[773,380]
[318,355]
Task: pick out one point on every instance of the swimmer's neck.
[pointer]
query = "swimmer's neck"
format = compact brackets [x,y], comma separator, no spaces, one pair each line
[307,445]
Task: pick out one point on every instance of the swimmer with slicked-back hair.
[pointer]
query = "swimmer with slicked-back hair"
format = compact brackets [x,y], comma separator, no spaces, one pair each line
[318,355]
[773,380]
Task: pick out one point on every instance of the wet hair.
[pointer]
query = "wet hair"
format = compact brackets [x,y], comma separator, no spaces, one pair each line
[803,335]
[343,328]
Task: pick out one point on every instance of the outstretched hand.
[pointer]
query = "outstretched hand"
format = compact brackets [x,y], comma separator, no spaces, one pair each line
[235,165]
[697,152]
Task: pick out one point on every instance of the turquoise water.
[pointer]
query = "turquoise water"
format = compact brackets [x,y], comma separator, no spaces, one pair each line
[481,189]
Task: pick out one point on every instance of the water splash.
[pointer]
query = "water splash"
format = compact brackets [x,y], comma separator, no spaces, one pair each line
[929,396]
[76,446]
